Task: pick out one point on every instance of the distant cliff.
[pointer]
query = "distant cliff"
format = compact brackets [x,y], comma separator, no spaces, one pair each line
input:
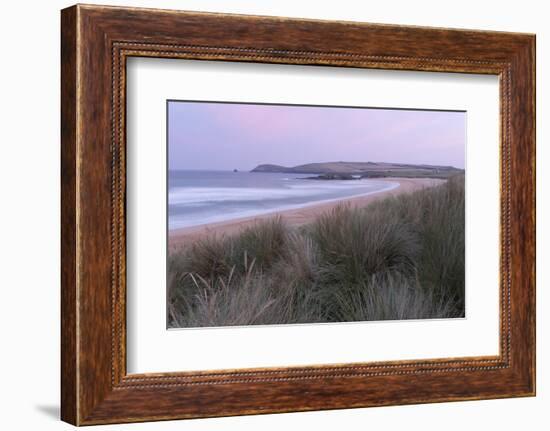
[364,169]
[272,168]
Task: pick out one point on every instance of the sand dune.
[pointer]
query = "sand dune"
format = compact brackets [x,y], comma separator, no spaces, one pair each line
[294,217]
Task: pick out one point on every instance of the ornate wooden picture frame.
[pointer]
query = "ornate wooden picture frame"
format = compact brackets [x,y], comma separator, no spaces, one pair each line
[96,41]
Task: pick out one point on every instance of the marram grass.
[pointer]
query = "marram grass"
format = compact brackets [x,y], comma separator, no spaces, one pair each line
[398,258]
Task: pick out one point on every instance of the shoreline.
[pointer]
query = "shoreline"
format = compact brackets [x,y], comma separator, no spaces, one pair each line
[291,207]
[178,238]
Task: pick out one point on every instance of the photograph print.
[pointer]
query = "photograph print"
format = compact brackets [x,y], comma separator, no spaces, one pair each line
[300,214]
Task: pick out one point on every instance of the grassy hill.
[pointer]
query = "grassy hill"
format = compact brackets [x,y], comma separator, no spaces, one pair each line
[365,169]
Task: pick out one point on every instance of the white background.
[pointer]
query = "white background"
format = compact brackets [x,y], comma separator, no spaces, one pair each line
[153,349]
[29,225]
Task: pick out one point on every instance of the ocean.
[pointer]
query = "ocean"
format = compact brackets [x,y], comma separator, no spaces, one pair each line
[202,197]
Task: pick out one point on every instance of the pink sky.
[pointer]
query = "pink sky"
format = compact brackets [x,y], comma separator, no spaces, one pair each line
[225,136]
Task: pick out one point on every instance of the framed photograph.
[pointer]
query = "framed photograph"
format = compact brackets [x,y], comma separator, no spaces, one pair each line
[267,244]
[265,215]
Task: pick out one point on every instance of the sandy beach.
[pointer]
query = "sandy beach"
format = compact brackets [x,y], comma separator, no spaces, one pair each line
[294,217]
